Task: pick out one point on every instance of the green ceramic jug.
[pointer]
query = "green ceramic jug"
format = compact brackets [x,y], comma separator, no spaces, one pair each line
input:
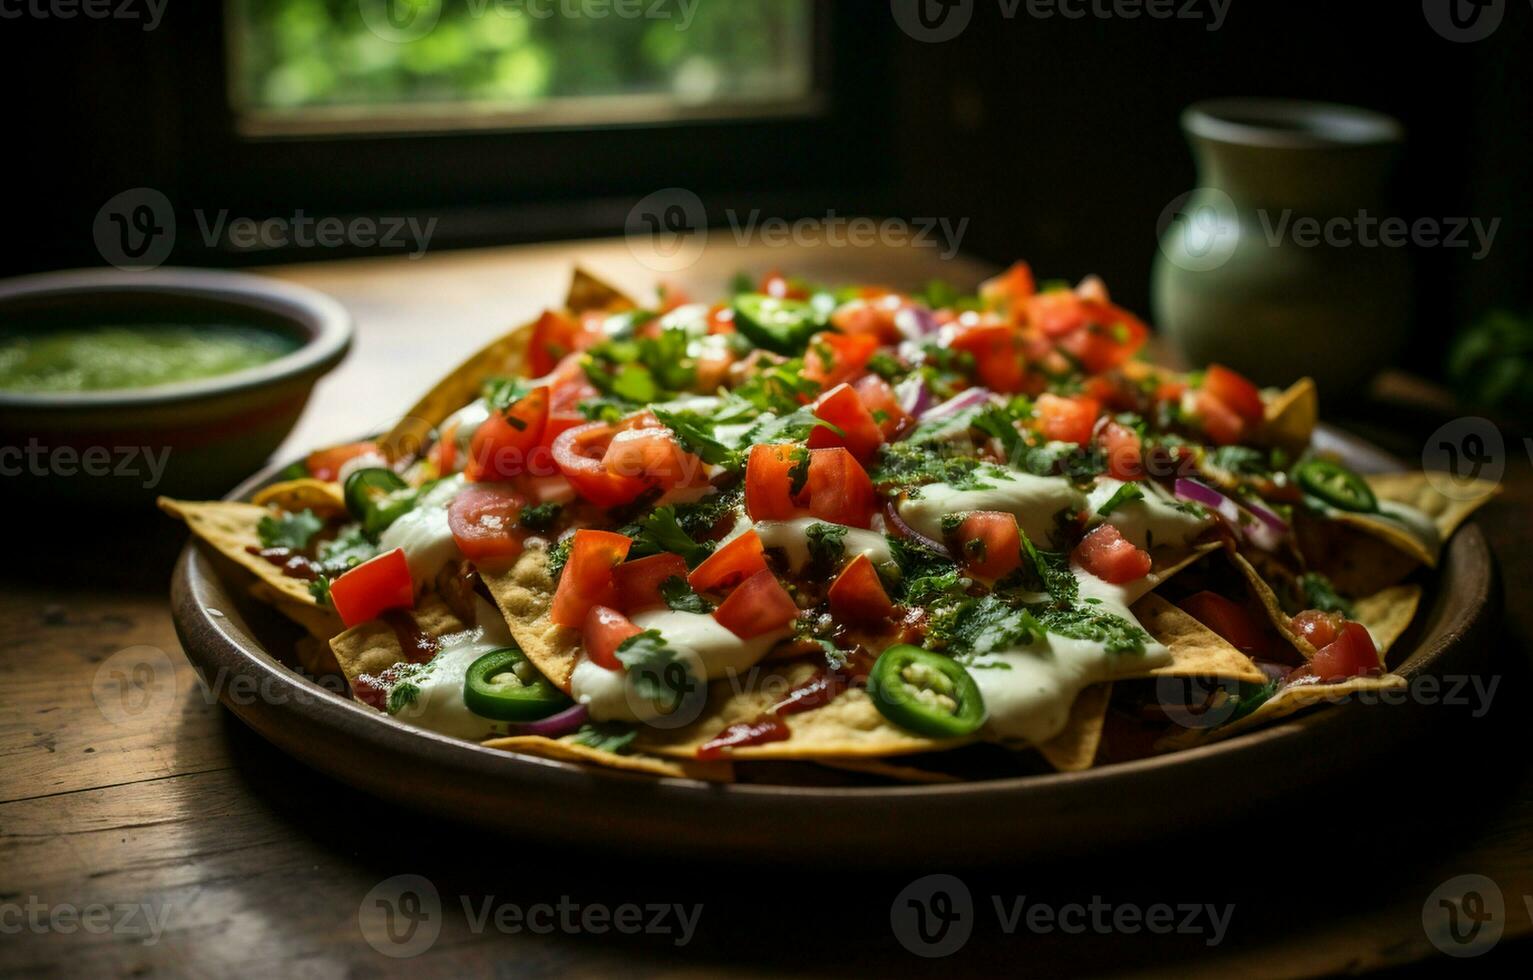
[1275,265]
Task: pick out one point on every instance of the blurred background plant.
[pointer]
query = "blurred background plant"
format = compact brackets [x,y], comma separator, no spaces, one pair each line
[1491,363]
[292,55]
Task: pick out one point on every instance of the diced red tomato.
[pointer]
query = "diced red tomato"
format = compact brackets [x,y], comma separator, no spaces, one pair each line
[568,387]
[836,488]
[832,358]
[712,366]
[1124,457]
[555,336]
[578,452]
[1057,312]
[857,595]
[373,587]
[1011,288]
[759,605]
[1221,423]
[587,579]
[1239,395]
[730,565]
[1229,619]
[653,455]
[841,407]
[1110,337]
[503,444]
[1319,628]
[989,544]
[767,479]
[483,518]
[721,318]
[325,464]
[1071,419]
[871,316]
[1000,360]
[884,405]
[638,582]
[1351,654]
[1108,555]
[603,631]
[776,284]
[839,489]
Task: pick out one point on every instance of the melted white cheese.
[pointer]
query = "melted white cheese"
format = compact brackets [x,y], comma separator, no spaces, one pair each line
[439,706]
[1152,521]
[467,420]
[1417,524]
[1033,500]
[792,538]
[1028,691]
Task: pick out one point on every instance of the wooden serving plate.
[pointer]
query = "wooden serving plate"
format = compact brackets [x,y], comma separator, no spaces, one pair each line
[229,637]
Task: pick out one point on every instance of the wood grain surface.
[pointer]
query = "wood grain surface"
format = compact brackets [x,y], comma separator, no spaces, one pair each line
[144,831]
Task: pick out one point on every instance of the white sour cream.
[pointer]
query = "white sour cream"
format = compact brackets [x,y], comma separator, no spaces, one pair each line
[1028,691]
[792,538]
[1033,500]
[1151,521]
[439,706]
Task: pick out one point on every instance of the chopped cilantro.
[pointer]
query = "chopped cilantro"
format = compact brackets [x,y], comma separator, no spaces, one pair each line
[558,555]
[319,588]
[982,625]
[1126,494]
[1318,593]
[606,737]
[827,544]
[540,517]
[798,473]
[502,393]
[701,518]
[1115,633]
[292,531]
[401,696]
[661,531]
[679,596]
[654,670]
[695,434]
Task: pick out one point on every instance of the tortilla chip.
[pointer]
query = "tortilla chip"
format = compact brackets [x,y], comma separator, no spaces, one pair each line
[524,593]
[890,770]
[323,497]
[849,726]
[1168,562]
[1292,416]
[1075,748]
[563,750]
[1388,613]
[321,622]
[589,294]
[1286,702]
[1279,619]
[504,356]
[1357,560]
[1416,489]
[373,647]
[1196,650]
[230,528]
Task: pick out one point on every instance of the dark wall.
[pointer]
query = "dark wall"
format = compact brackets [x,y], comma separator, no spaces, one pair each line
[1056,138]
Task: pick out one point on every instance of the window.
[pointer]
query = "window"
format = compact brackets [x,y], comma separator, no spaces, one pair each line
[308,67]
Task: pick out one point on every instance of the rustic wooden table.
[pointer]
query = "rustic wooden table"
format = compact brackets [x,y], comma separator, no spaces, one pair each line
[172,840]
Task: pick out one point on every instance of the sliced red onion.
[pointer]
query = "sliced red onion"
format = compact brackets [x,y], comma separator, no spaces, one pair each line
[916,321]
[959,402]
[1267,517]
[1258,532]
[553,726]
[913,395]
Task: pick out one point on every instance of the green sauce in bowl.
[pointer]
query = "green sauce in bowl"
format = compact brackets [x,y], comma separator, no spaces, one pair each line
[117,356]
